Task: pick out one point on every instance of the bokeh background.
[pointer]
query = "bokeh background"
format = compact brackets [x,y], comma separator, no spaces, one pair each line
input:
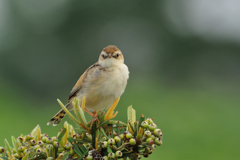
[183,58]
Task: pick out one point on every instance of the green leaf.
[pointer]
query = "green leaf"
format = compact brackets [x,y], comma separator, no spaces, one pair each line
[116,122]
[141,119]
[8,147]
[94,134]
[67,112]
[79,150]
[102,123]
[100,115]
[131,115]
[56,152]
[51,151]
[62,134]
[76,111]
[14,142]
[25,157]
[136,129]
[65,156]
[132,127]
[83,118]
[104,134]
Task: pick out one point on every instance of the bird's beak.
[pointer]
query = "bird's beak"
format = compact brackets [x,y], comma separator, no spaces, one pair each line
[109,55]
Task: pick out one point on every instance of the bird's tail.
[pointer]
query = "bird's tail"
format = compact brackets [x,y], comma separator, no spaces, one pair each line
[59,116]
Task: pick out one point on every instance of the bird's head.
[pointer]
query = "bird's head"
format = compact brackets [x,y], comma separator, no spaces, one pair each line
[110,56]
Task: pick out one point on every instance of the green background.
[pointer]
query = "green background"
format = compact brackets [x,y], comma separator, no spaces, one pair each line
[183,58]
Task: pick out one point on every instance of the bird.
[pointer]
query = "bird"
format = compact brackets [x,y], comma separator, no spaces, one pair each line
[101,84]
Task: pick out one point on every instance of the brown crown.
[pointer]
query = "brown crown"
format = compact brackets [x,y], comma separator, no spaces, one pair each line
[110,49]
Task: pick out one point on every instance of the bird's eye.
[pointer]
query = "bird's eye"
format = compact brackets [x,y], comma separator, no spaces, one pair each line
[116,55]
[104,56]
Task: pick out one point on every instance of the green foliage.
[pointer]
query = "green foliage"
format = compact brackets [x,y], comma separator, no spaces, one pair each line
[100,138]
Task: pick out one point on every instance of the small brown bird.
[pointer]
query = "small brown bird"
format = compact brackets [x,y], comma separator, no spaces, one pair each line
[101,84]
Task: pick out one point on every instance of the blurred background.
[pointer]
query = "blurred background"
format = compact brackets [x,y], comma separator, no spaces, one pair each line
[183,58]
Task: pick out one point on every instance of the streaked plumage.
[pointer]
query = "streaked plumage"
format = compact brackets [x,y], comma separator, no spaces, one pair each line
[101,83]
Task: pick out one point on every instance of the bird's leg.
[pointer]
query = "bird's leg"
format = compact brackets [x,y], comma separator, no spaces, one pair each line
[93,114]
[88,112]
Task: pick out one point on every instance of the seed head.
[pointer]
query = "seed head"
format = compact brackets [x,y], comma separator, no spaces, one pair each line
[111,141]
[104,144]
[158,141]
[111,155]
[128,135]
[144,124]
[132,141]
[118,154]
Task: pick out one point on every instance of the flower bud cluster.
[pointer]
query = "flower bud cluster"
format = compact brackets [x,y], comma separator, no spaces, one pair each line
[39,149]
[142,144]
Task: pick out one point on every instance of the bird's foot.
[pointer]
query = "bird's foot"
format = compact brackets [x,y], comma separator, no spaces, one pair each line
[93,114]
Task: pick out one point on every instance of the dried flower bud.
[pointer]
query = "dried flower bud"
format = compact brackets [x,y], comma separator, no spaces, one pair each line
[44,135]
[158,141]
[104,144]
[40,143]
[147,133]
[21,149]
[67,146]
[154,146]
[105,158]
[36,147]
[111,155]
[26,151]
[118,154]
[152,127]
[122,136]
[2,150]
[55,144]
[157,132]
[54,138]
[49,140]
[20,139]
[117,139]
[132,141]
[44,139]
[111,141]
[33,142]
[39,151]
[149,120]
[89,157]
[48,146]
[16,155]
[128,135]
[28,137]
[149,140]
[144,124]
[145,155]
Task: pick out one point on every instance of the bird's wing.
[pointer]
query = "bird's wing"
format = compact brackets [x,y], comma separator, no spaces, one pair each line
[78,86]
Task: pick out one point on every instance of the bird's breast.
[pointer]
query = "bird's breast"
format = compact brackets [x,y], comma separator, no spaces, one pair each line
[109,85]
